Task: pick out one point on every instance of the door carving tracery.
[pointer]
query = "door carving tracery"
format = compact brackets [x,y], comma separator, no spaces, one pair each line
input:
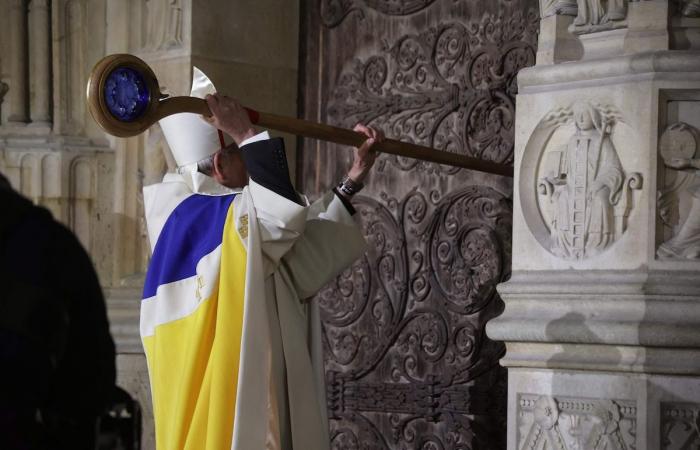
[407,362]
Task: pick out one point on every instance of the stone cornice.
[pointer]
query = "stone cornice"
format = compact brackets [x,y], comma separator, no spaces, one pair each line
[656,65]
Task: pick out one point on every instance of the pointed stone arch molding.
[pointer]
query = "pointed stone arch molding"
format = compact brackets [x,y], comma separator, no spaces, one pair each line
[576,197]
[333,12]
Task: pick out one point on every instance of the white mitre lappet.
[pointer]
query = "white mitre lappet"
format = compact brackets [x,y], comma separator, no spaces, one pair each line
[191,139]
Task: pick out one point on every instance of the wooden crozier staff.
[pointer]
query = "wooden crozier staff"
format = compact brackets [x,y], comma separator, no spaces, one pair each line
[124,99]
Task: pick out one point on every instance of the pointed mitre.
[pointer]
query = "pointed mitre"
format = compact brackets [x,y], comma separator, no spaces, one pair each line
[190,138]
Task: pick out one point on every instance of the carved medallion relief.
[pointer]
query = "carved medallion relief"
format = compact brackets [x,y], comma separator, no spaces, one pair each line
[679,198]
[565,423]
[678,185]
[583,190]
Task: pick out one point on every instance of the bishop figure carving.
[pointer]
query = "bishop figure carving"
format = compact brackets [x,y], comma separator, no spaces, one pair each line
[587,187]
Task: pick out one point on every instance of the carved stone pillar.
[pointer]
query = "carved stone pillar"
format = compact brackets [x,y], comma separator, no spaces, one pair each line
[39,62]
[18,71]
[602,315]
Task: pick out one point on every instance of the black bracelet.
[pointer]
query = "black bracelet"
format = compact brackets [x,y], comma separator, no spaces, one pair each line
[350,187]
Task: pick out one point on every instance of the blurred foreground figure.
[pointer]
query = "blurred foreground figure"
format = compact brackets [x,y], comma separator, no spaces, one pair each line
[56,354]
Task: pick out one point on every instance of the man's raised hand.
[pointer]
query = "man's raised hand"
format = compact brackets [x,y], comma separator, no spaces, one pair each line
[364,155]
[230,117]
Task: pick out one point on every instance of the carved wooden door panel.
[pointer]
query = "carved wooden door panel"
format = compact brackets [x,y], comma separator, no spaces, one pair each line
[408,365]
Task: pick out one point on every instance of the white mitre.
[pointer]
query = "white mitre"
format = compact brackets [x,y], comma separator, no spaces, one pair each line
[190,138]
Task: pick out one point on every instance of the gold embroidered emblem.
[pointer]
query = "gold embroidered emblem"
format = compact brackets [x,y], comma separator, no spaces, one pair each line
[200,285]
[243,226]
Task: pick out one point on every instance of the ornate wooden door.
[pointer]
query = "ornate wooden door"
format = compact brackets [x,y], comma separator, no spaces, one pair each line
[408,365]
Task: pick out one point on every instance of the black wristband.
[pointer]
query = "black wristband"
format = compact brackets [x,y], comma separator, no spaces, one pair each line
[350,187]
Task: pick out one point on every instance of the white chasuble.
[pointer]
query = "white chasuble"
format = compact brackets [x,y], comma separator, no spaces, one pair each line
[223,324]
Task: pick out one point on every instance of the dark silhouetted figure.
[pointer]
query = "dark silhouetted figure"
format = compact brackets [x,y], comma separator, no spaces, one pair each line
[57,368]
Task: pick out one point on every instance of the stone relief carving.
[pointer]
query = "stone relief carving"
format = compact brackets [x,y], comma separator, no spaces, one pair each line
[689,8]
[450,87]
[678,149]
[575,423]
[561,7]
[680,425]
[400,326]
[599,15]
[584,189]
[164,29]
[334,11]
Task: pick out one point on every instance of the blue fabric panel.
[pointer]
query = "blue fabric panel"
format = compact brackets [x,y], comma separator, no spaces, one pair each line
[193,230]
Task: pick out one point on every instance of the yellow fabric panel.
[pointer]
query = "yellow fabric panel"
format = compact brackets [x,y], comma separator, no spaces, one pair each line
[193,362]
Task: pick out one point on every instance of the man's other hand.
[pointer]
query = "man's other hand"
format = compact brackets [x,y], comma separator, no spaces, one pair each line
[364,155]
[230,117]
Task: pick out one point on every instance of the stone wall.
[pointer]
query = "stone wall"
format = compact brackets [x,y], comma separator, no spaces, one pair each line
[55,154]
[601,319]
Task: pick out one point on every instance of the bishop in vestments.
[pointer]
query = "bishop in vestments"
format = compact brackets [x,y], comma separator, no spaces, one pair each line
[236,254]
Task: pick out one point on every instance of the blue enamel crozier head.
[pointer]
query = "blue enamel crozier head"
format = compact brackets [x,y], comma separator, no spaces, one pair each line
[126,94]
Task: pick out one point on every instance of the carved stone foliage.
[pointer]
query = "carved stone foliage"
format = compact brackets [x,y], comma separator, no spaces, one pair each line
[679,197]
[584,192]
[334,11]
[564,423]
[407,361]
[680,425]
[450,87]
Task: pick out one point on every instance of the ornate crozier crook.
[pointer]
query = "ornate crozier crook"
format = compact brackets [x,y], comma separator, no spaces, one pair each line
[124,99]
